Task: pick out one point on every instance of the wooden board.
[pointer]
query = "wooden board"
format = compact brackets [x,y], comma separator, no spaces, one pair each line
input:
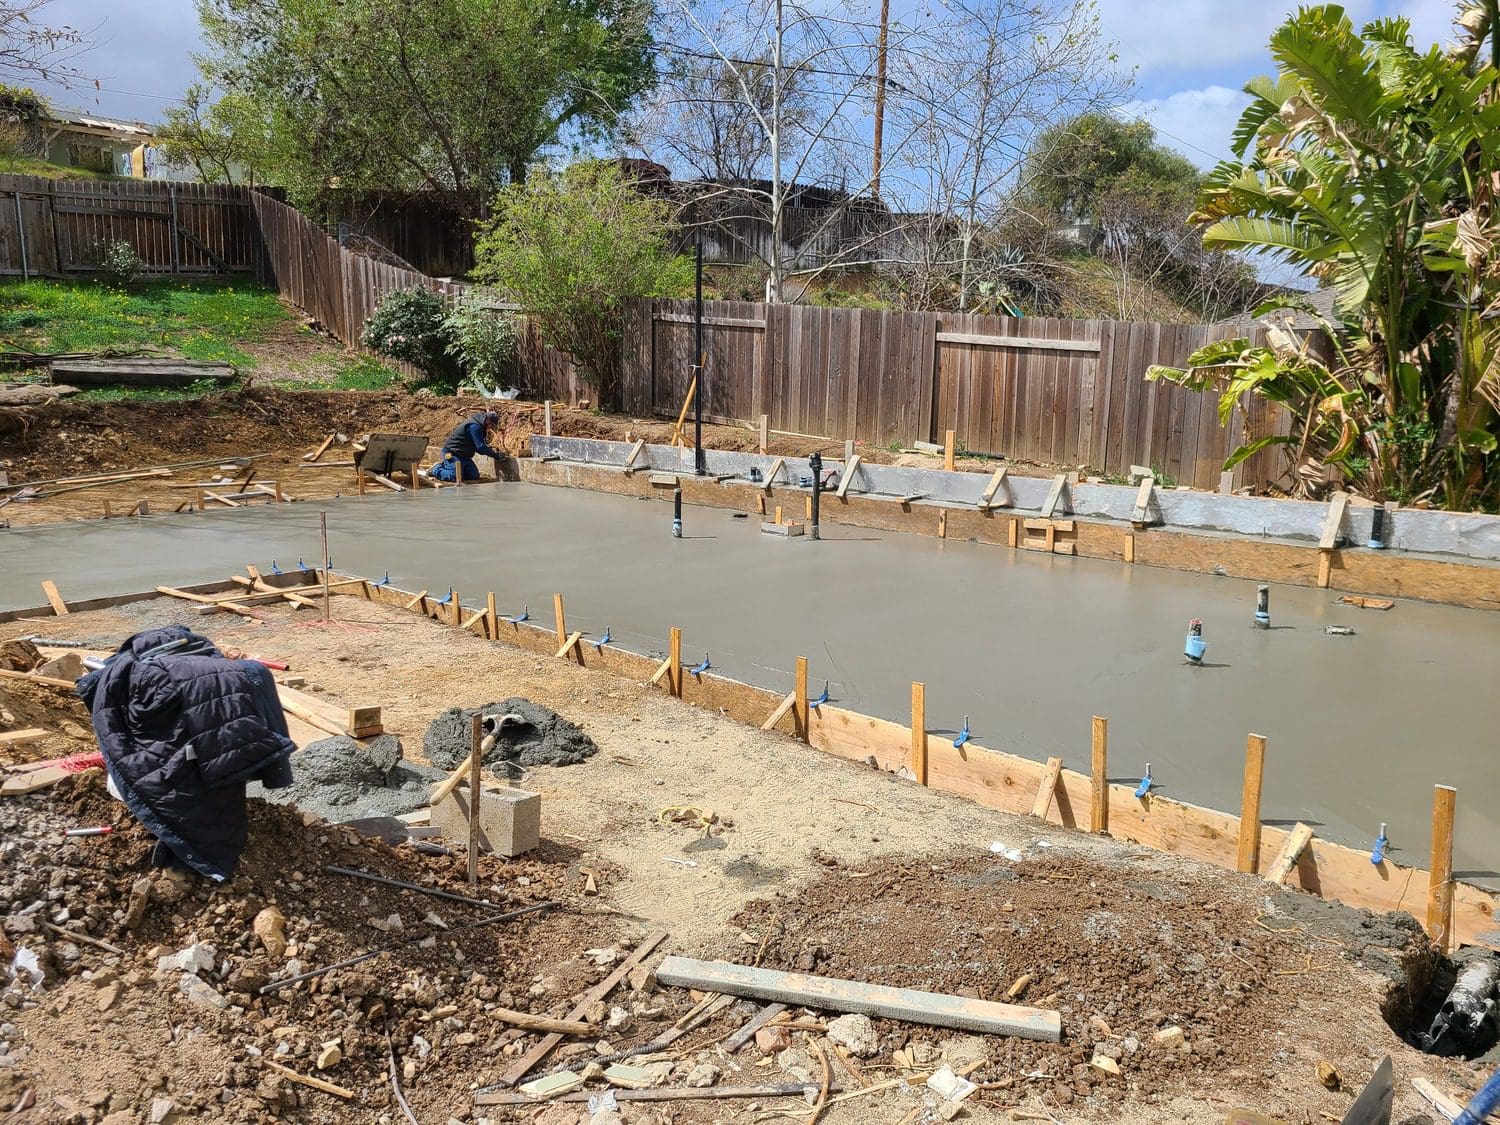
[54,599]
[138,372]
[832,994]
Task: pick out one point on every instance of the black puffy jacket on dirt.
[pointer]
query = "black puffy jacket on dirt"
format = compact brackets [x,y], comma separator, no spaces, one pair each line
[182,729]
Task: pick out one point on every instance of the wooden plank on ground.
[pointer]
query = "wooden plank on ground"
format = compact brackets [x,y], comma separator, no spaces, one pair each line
[21,737]
[173,592]
[322,449]
[54,599]
[831,994]
[537,1053]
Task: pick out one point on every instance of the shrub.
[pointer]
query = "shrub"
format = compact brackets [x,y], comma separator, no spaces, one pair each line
[482,341]
[119,261]
[409,325]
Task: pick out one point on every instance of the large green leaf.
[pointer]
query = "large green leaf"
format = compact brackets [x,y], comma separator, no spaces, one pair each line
[1245,452]
[1318,46]
[1278,237]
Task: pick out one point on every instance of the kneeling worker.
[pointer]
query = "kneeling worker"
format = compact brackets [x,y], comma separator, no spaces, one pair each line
[469,439]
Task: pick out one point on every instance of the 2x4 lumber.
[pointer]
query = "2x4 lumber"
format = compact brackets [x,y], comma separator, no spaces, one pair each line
[666,1094]
[1440,876]
[933,1009]
[661,670]
[764,438]
[919,732]
[479,618]
[1142,510]
[687,403]
[780,713]
[569,645]
[1054,496]
[173,592]
[219,499]
[33,678]
[417,601]
[635,452]
[1038,342]
[54,599]
[1099,777]
[801,696]
[364,722]
[476,763]
[562,621]
[776,468]
[295,706]
[258,584]
[1064,526]
[1334,520]
[991,490]
[949,440]
[322,449]
[21,737]
[1046,792]
[1255,766]
[850,468]
[1291,851]
[593,996]
[491,616]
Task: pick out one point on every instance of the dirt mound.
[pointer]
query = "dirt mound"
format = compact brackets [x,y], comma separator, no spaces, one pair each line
[431,993]
[1122,965]
[541,738]
[338,779]
[62,715]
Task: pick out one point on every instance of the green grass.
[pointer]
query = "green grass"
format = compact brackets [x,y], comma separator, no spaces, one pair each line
[31,166]
[201,320]
[349,373]
[201,389]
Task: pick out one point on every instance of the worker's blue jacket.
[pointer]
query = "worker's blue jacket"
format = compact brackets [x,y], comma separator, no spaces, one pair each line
[182,729]
[468,439]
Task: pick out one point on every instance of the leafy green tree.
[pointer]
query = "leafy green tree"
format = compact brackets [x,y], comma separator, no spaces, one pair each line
[1076,166]
[571,248]
[455,97]
[1369,165]
[220,140]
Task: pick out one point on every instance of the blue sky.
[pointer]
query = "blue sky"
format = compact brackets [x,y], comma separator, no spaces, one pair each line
[1190,56]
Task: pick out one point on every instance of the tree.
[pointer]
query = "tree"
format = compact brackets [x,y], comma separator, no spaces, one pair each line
[454,97]
[219,139]
[1075,165]
[1369,165]
[30,48]
[571,248]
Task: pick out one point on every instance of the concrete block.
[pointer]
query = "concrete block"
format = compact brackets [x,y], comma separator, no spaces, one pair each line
[510,820]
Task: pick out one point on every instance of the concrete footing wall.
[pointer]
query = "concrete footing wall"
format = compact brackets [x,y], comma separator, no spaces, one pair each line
[1407,529]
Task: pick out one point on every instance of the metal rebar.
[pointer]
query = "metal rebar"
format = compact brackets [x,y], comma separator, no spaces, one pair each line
[490,921]
[433,891]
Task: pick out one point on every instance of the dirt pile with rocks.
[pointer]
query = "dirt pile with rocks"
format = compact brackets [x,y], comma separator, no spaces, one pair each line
[62,715]
[538,737]
[150,979]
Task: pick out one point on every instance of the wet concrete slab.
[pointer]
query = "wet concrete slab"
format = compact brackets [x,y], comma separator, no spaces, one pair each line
[1028,646]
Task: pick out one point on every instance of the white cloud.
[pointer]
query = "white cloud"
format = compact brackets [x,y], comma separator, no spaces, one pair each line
[1198,35]
[1197,123]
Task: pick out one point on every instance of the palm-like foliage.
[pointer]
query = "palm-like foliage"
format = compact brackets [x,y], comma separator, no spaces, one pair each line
[1367,164]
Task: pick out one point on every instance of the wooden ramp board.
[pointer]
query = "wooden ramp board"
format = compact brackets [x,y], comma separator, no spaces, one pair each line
[137,371]
[831,994]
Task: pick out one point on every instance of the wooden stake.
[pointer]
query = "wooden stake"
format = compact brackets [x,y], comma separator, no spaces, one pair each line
[765,433]
[304,1080]
[778,515]
[1440,880]
[943,524]
[322,449]
[1255,765]
[1047,791]
[570,645]
[359,481]
[417,601]
[476,759]
[850,468]
[455,608]
[804,716]
[491,618]
[1054,496]
[687,404]
[919,731]
[416,480]
[1099,778]
[1296,843]
[948,443]
[1012,533]
[987,500]
[674,659]
[557,609]
[775,717]
[1129,547]
[547,418]
[54,599]
[1325,569]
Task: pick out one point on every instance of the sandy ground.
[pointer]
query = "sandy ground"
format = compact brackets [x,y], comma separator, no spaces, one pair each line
[798,823]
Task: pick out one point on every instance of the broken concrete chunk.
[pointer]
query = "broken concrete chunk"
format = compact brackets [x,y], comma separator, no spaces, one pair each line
[948,1085]
[269,928]
[856,1034]
[140,898]
[704,1074]
[329,1055]
[629,1077]
[1169,1037]
[196,958]
[1106,1064]
[200,993]
[770,1040]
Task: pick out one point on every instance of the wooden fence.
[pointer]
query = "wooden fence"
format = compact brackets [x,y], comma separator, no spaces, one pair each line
[1059,392]
[59,228]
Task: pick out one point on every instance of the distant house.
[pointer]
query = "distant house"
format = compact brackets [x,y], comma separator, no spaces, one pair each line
[75,139]
[1296,320]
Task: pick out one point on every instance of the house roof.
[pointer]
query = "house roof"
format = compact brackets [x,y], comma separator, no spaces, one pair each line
[92,123]
[1297,320]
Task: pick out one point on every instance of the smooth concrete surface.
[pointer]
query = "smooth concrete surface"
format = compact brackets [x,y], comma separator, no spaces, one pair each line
[1422,531]
[1029,646]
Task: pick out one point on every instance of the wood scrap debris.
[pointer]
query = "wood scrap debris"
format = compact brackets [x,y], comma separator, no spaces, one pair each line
[1361,602]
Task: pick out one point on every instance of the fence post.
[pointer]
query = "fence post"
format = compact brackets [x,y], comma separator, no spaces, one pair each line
[176,230]
[21,238]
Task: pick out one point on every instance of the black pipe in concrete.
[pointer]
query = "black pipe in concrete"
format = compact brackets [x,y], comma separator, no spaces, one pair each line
[677,512]
[815,463]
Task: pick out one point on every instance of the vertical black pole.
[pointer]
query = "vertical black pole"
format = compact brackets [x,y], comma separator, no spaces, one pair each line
[700,464]
[815,463]
[677,512]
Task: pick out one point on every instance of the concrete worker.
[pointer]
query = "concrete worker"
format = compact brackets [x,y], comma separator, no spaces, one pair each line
[469,439]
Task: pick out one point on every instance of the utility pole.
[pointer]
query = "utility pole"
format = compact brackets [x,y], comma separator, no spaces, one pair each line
[885,22]
[700,463]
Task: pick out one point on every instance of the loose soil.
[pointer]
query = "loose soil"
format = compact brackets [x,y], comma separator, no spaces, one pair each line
[77,438]
[801,859]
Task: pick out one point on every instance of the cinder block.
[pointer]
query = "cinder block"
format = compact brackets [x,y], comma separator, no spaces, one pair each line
[510,820]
